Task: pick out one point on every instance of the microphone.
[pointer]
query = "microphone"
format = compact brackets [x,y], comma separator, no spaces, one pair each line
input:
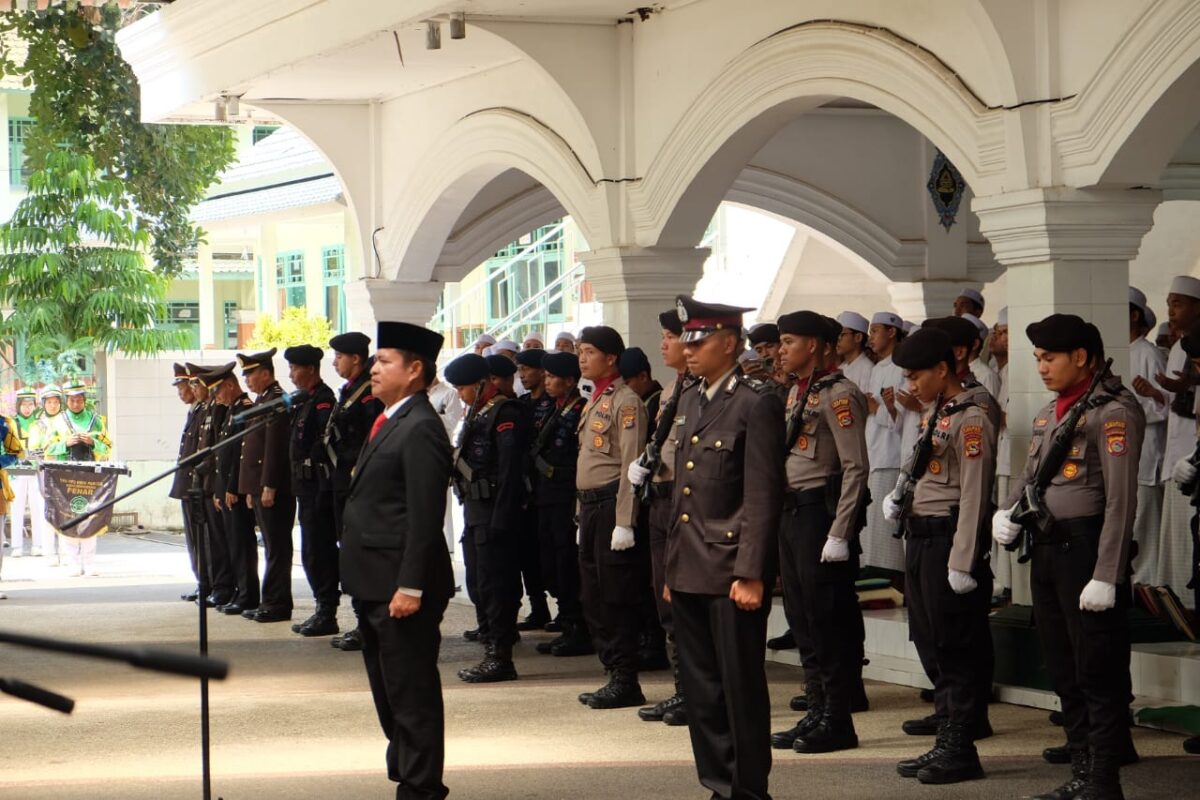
[285,402]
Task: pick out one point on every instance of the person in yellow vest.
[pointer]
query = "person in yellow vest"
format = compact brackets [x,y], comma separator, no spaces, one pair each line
[11,451]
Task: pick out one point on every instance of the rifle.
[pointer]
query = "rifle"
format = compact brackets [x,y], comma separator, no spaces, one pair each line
[906,484]
[651,458]
[461,467]
[796,418]
[544,467]
[1030,512]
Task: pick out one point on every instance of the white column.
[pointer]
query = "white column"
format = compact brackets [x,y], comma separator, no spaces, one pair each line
[922,300]
[265,285]
[369,301]
[1067,251]
[635,284]
[208,312]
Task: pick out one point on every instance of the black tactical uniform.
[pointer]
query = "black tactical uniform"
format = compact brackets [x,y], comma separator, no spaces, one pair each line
[538,409]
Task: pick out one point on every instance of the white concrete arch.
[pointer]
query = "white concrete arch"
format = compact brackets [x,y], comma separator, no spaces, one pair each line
[1134,113]
[466,158]
[785,75]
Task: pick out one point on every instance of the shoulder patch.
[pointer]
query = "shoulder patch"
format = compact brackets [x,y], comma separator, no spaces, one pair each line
[366,399]
[972,437]
[628,416]
[505,426]
[1116,442]
[324,406]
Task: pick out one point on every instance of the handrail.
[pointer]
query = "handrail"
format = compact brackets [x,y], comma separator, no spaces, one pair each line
[515,317]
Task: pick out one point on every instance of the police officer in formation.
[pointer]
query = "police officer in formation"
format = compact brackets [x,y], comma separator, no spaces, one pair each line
[312,482]
[346,432]
[221,582]
[488,478]
[555,454]
[948,545]
[265,477]
[182,480]
[540,407]
[1081,559]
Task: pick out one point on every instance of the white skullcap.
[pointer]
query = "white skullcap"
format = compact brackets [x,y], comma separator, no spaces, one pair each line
[1002,317]
[484,339]
[565,335]
[977,322]
[535,336]
[887,318]
[909,327]
[853,321]
[1186,285]
[505,344]
[972,294]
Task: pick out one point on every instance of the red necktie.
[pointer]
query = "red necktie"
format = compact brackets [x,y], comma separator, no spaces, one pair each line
[382,418]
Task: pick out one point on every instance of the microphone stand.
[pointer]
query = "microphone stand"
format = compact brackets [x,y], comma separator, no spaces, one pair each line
[195,459]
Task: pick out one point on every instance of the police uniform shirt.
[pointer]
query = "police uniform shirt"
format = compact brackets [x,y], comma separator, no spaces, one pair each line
[832,440]
[666,466]
[959,473]
[981,397]
[612,434]
[1146,361]
[882,430]
[1099,476]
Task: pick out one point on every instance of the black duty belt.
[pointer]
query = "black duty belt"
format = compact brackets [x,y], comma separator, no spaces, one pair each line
[930,527]
[794,499]
[589,496]
[1062,531]
[661,490]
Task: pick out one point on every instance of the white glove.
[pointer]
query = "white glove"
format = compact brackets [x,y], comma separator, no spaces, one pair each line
[835,549]
[622,538]
[891,507]
[1004,530]
[637,474]
[1098,596]
[1183,471]
[961,582]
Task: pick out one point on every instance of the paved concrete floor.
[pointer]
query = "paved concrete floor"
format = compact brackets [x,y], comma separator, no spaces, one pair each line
[294,720]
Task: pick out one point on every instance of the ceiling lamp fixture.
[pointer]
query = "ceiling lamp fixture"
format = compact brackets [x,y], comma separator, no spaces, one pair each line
[458,25]
[433,35]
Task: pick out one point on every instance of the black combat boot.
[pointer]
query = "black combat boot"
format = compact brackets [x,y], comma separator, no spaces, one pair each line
[546,648]
[322,623]
[959,760]
[622,691]
[801,701]
[910,767]
[784,740]
[497,665]
[1104,779]
[577,641]
[539,615]
[1080,766]
[833,733]
[924,726]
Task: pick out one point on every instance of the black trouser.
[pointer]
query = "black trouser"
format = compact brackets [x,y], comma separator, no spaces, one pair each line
[401,659]
[1195,582]
[222,580]
[560,557]
[497,579]
[471,566]
[529,556]
[612,583]
[243,551]
[276,525]
[660,522]
[721,655]
[189,536]
[318,547]
[654,635]
[824,595]
[796,619]
[954,627]
[1087,652]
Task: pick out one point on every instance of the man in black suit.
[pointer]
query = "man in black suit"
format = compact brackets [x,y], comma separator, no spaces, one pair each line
[394,561]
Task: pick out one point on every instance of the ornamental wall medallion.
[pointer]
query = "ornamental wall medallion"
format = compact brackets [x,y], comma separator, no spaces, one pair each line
[946,187]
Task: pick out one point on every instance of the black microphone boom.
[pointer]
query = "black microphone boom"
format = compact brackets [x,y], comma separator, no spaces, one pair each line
[285,402]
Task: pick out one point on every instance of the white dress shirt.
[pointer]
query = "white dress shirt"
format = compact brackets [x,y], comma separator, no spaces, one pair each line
[859,371]
[1181,431]
[986,376]
[884,431]
[390,412]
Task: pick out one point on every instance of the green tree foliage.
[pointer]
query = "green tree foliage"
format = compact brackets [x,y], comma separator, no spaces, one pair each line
[73,268]
[294,327]
[86,99]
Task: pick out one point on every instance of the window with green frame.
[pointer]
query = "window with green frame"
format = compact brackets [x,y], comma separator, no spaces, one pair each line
[261,132]
[183,315]
[289,278]
[333,271]
[18,132]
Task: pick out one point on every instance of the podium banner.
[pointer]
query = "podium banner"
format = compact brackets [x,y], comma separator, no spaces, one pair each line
[71,488]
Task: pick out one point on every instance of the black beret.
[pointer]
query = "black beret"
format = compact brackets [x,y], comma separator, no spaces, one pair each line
[1063,333]
[763,333]
[804,323]
[251,362]
[670,321]
[304,355]
[465,370]
[925,348]
[562,365]
[531,357]
[833,330]
[1191,341]
[352,343]
[500,366]
[603,338]
[410,338]
[962,332]
[633,362]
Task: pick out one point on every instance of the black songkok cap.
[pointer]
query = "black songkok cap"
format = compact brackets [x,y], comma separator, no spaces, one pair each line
[304,355]
[467,369]
[1063,333]
[763,333]
[500,366]
[833,330]
[410,338]
[804,323]
[351,343]
[633,362]
[562,365]
[603,338]
[670,321]
[925,348]
[532,357]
